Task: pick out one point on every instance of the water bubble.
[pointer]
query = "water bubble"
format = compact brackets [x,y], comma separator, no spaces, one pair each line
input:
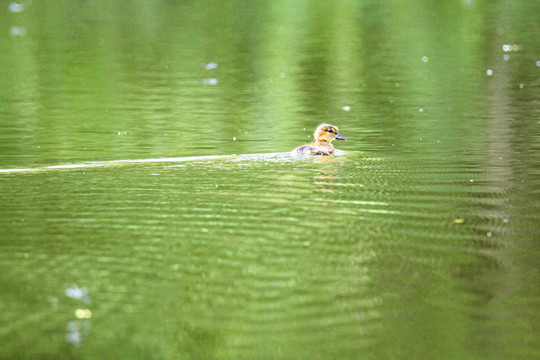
[17,31]
[514,47]
[83,313]
[506,57]
[538,63]
[346,108]
[210,66]
[74,336]
[472,180]
[79,293]
[489,72]
[15,7]
[234,138]
[425,59]
[396,84]
[211,81]
[421,110]
[521,86]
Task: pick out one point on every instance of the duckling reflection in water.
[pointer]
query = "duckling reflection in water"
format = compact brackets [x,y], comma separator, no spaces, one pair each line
[324,135]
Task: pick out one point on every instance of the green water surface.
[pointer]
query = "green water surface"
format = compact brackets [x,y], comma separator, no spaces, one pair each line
[149,208]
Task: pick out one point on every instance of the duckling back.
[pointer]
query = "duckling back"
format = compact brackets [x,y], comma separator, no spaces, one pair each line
[312,150]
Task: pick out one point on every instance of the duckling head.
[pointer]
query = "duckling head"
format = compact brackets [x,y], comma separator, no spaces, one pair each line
[327,133]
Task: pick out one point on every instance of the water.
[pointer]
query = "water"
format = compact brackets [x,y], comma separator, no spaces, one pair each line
[150,210]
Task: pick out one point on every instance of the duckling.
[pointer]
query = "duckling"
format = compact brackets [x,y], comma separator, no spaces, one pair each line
[324,135]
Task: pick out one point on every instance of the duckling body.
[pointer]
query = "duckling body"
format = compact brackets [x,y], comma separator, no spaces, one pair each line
[324,135]
[314,149]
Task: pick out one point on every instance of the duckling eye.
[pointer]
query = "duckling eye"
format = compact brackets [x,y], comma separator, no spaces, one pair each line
[330,131]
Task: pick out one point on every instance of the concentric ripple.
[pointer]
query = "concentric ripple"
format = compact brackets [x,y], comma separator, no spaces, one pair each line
[253,254]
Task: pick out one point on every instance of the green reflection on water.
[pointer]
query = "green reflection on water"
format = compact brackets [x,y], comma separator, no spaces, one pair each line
[419,242]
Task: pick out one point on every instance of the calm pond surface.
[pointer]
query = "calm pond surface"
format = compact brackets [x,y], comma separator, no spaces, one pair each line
[149,208]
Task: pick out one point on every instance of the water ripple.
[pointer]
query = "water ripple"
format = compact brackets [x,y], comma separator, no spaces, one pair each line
[254,247]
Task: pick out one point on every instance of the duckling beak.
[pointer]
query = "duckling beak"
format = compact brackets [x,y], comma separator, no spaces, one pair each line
[339,137]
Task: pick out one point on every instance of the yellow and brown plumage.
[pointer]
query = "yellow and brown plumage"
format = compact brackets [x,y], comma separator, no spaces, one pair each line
[324,135]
